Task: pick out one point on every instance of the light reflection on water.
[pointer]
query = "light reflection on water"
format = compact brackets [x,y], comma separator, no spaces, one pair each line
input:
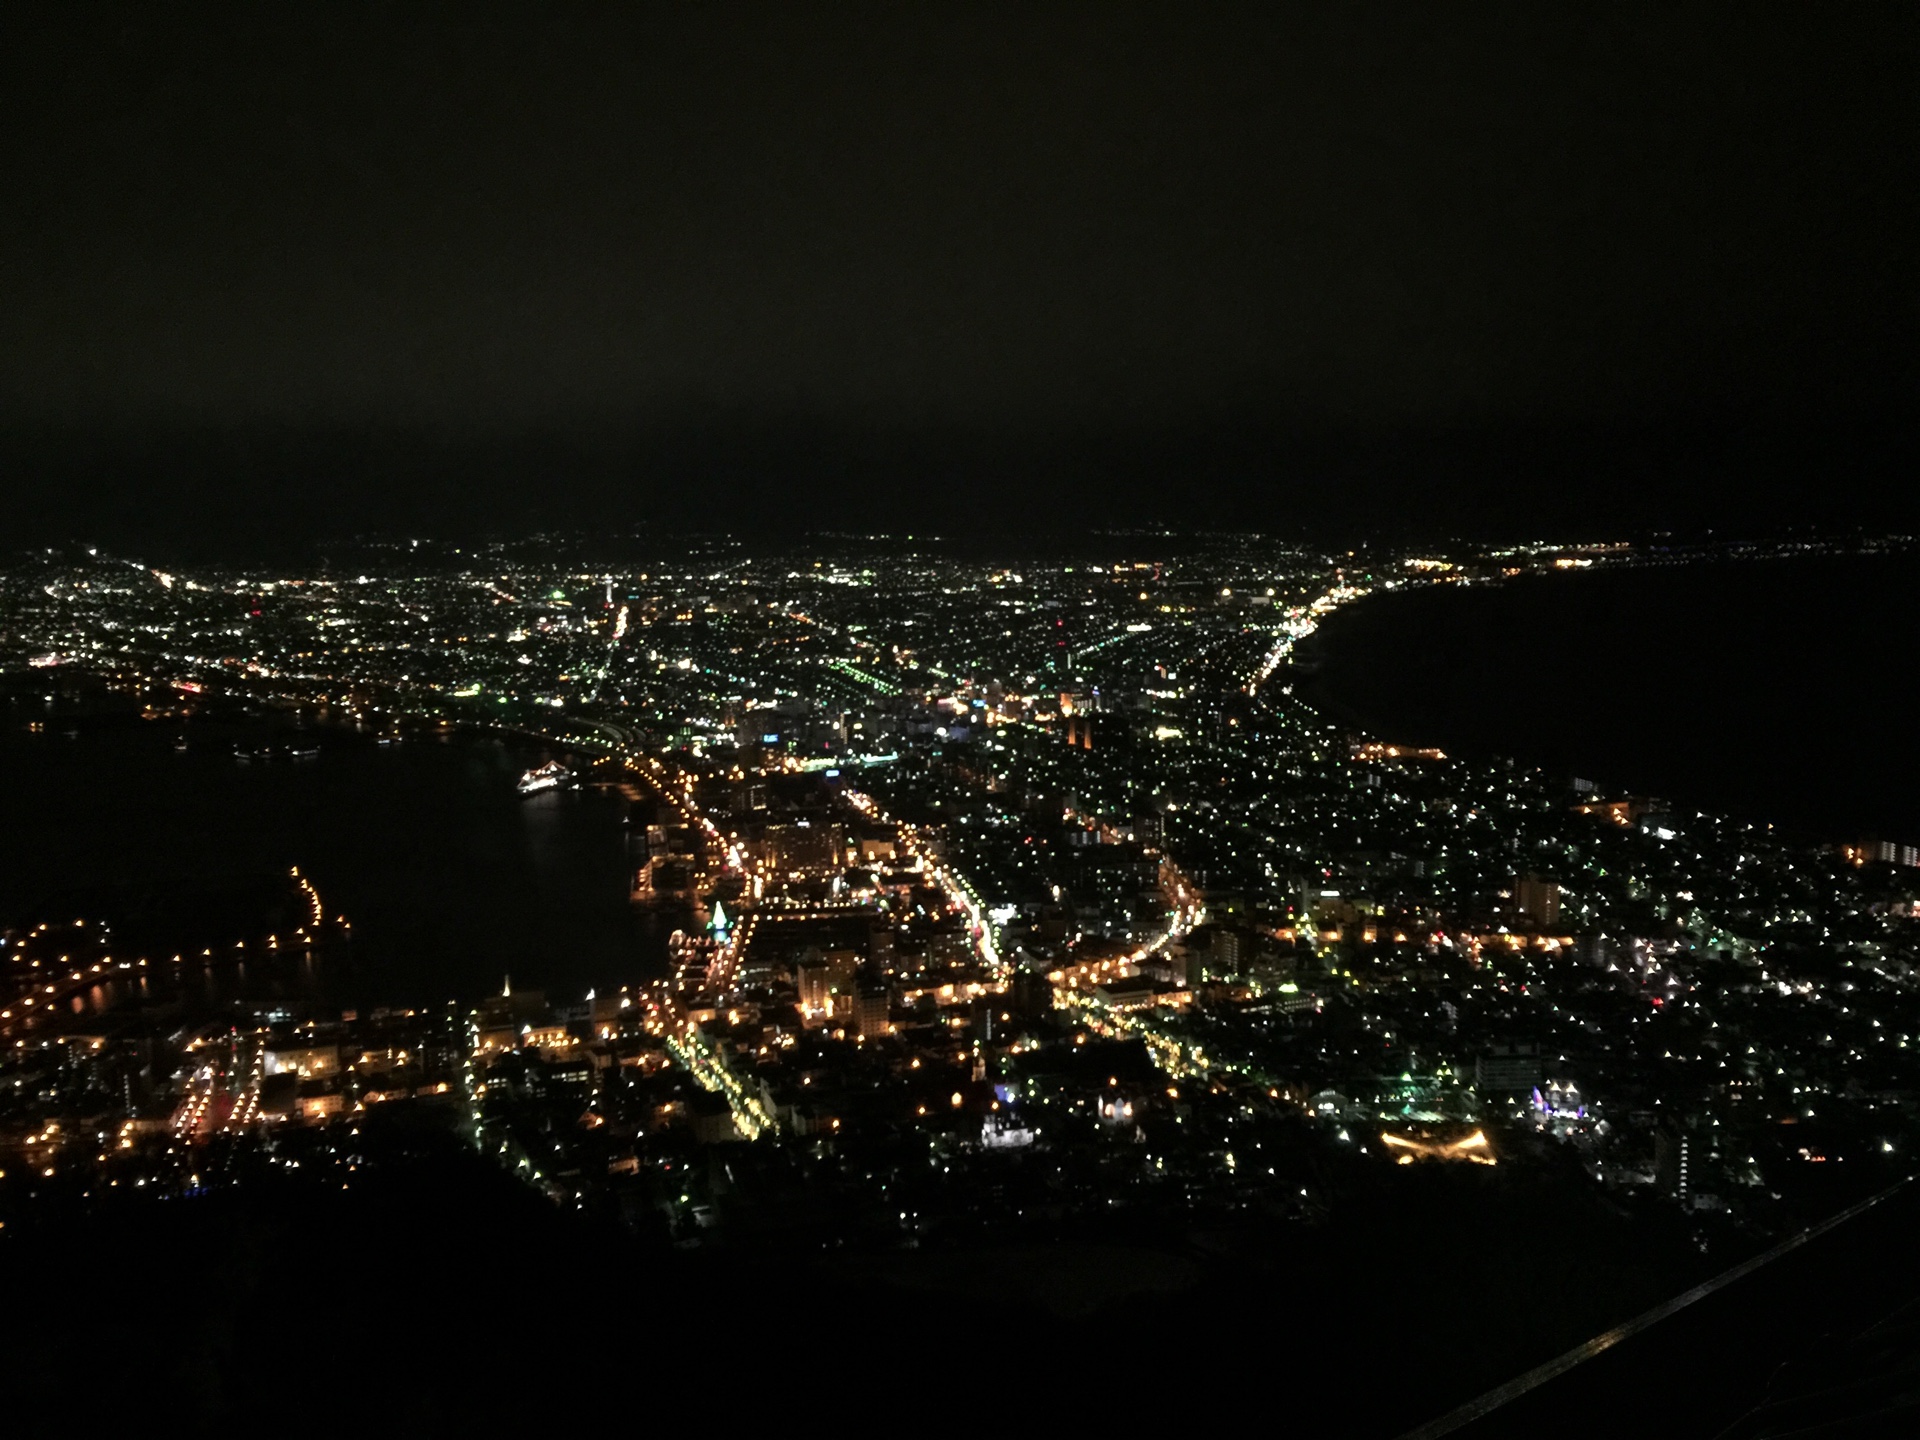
[451,880]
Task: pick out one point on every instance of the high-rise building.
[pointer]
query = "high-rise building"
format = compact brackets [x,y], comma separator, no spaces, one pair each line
[813,978]
[872,1005]
[880,938]
[1671,1162]
[1506,1069]
[1538,900]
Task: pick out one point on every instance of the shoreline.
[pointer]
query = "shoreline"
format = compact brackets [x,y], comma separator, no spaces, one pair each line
[449,877]
[1765,691]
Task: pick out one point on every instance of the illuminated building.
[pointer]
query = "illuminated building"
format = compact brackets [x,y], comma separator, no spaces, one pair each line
[305,1060]
[1538,900]
[871,1003]
[1508,1069]
[1673,1162]
[1881,852]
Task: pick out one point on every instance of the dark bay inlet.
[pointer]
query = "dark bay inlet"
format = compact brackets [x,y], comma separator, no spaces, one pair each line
[451,878]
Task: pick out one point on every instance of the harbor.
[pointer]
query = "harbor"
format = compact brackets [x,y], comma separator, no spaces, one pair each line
[449,874]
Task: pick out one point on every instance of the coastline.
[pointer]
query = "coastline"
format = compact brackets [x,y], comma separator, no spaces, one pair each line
[1767,689]
[449,876]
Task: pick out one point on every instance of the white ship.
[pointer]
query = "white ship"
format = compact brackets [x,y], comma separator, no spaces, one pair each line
[550,776]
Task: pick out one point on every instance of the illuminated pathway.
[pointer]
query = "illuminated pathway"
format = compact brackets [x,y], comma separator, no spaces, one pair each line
[1302,621]
[958,890]
[1172,1052]
[691,1047]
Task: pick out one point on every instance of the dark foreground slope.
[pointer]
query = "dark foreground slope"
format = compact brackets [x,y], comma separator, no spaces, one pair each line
[428,1293]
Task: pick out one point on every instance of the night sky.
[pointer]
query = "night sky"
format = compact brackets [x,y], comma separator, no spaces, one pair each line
[273,273]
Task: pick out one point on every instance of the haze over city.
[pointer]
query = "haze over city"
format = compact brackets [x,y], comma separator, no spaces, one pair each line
[341,270]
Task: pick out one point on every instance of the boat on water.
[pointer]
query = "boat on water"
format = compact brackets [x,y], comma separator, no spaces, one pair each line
[550,776]
[269,750]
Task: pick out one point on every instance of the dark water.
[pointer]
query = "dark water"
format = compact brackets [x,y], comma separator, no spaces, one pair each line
[451,879]
[1780,690]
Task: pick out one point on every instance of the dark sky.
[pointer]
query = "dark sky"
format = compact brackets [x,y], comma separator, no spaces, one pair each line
[276,270]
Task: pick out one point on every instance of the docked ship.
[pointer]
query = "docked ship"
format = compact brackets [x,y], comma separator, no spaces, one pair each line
[550,776]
